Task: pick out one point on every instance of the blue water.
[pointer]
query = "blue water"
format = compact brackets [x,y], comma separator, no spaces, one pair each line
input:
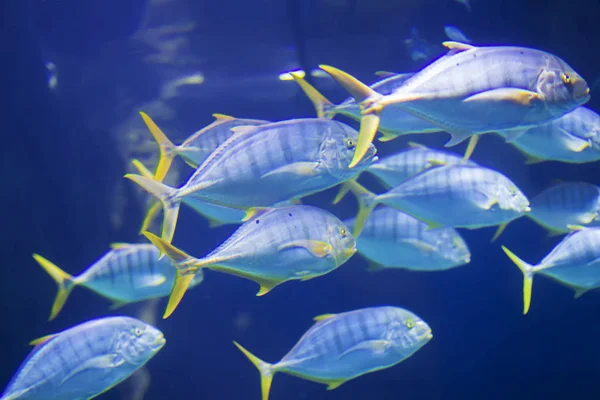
[62,162]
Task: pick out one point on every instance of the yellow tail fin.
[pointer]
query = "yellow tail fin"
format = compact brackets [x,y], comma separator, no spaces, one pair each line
[366,203]
[155,207]
[323,107]
[186,269]
[528,271]
[168,199]
[63,280]
[265,369]
[168,150]
[369,122]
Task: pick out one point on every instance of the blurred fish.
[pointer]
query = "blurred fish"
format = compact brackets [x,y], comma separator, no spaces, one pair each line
[341,347]
[396,168]
[455,34]
[574,262]
[458,196]
[572,138]
[466,3]
[273,246]
[475,90]
[393,122]
[125,274]
[84,361]
[262,165]
[418,48]
[568,203]
[393,239]
[197,147]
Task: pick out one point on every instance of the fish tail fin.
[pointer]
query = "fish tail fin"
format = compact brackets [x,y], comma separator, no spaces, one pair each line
[323,107]
[155,207]
[367,98]
[366,202]
[168,150]
[168,198]
[265,369]
[64,281]
[186,269]
[528,272]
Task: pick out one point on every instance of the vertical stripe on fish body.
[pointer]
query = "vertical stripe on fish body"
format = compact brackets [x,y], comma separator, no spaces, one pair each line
[396,168]
[568,203]
[85,361]
[572,138]
[264,165]
[393,239]
[341,347]
[274,246]
[458,196]
[475,90]
[574,262]
[125,274]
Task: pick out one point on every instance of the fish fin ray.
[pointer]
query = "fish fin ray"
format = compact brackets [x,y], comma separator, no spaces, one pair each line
[167,148]
[64,282]
[317,248]
[265,369]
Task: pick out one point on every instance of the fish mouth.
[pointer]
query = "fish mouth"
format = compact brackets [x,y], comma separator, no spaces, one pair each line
[160,341]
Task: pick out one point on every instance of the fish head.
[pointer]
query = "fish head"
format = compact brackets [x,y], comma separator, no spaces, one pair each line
[561,88]
[407,332]
[510,197]
[342,241]
[453,247]
[138,341]
[337,151]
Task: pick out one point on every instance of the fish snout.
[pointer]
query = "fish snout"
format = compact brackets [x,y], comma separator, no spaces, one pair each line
[580,87]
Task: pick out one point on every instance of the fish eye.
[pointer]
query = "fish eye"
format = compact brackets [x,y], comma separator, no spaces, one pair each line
[409,324]
[350,144]
[343,232]
[566,78]
[137,332]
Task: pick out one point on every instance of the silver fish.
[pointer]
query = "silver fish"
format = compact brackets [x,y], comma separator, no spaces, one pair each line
[264,165]
[85,361]
[475,90]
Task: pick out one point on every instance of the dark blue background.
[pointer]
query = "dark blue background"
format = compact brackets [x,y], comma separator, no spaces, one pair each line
[58,174]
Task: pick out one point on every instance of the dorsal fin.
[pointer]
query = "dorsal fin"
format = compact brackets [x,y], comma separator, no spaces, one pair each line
[415,145]
[42,340]
[457,46]
[119,245]
[323,317]
[255,212]
[223,117]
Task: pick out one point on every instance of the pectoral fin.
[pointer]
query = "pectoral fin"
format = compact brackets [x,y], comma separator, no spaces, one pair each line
[483,200]
[517,96]
[317,248]
[153,280]
[305,169]
[588,217]
[572,142]
[101,362]
[373,346]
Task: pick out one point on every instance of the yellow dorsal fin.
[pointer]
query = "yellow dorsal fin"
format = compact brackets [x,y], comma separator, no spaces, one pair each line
[42,340]
[323,317]
[576,227]
[223,117]
[254,212]
[119,245]
[385,74]
[457,46]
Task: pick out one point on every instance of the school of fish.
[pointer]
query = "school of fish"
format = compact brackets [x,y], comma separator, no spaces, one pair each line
[255,174]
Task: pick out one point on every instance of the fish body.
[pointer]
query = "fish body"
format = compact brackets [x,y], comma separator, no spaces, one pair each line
[84,361]
[456,34]
[568,203]
[396,168]
[574,262]
[572,138]
[198,146]
[475,90]
[125,274]
[393,239]
[341,347]
[264,165]
[274,246]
